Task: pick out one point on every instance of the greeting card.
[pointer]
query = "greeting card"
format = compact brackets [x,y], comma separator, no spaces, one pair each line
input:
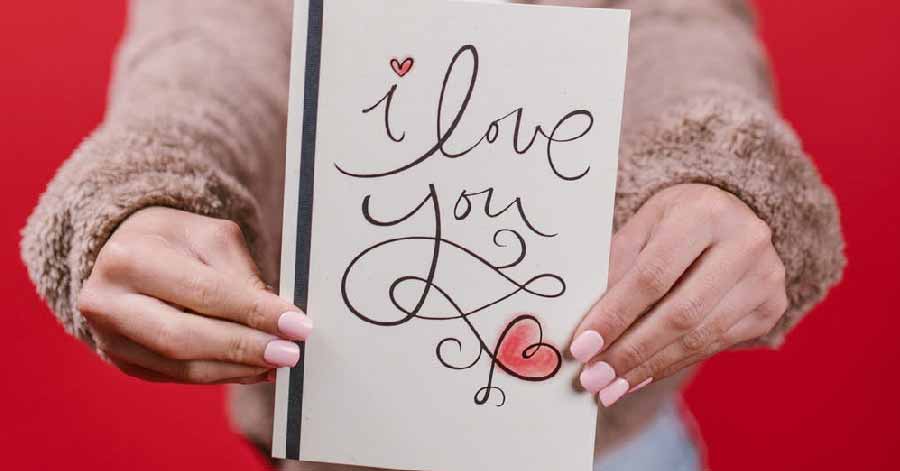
[450,178]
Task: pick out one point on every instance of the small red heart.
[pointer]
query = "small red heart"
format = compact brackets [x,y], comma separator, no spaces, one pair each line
[402,68]
[523,353]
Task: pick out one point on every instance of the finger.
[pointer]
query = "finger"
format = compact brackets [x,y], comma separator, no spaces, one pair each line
[663,364]
[628,241]
[680,312]
[660,264]
[163,273]
[668,361]
[762,320]
[626,244]
[138,361]
[717,332]
[771,302]
[178,335]
[674,359]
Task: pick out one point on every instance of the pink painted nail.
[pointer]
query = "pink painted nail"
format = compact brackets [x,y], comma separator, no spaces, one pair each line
[640,386]
[612,393]
[282,353]
[586,345]
[295,325]
[270,376]
[595,377]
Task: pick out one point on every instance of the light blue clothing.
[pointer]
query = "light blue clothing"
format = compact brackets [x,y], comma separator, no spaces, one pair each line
[665,445]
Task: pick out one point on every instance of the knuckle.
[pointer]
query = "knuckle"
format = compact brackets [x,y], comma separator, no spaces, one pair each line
[632,354]
[719,331]
[699,340]
[775,307]
[777,311]
[256,283]
[688,315]
[767,318]
[759,233]
[709,192]
[170,340]
[204,291]
[781,304]
[655,366]
[612,322]
[115,258]
[90,300]
[196,372]
[240,350]
[256,316]
[761,329]
[224,232]
[639,374]
[652,277]
[778,275]
[713,347]
[713,202]
[728,340]
[652,368]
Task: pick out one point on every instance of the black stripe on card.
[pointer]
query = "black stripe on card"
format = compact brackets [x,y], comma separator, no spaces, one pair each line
[305,213]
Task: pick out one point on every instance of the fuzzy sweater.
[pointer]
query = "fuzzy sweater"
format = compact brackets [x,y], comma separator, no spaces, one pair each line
[197,115]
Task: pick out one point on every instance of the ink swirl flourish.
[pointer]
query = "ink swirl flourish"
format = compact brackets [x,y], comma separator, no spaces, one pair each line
[520,350]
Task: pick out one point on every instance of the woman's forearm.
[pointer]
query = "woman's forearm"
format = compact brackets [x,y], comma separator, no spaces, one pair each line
[196,121]
[699,109]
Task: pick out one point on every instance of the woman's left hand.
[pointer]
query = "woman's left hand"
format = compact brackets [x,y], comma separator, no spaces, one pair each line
[694,272]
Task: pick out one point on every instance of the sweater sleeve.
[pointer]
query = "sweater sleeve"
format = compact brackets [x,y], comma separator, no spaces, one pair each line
[699,109]
[195,121]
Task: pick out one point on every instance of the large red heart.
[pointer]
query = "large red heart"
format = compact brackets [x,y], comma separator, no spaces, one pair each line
[402,68]
[524,354]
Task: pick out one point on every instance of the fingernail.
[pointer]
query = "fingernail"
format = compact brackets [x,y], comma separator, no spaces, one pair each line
[270,376]
[640,386]
[597,376]
[612,393]
[295,325]
[282,353]
[586,345]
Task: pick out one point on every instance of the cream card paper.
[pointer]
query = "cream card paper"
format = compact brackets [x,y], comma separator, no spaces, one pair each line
[450,178]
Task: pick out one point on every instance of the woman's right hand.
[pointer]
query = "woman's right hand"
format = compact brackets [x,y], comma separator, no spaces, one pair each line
[176,297]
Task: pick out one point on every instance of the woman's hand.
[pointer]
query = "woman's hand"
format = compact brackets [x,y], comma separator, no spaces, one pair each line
[176,297]
[693,273]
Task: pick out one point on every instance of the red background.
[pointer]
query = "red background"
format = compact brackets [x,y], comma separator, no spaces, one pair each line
[825,401]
